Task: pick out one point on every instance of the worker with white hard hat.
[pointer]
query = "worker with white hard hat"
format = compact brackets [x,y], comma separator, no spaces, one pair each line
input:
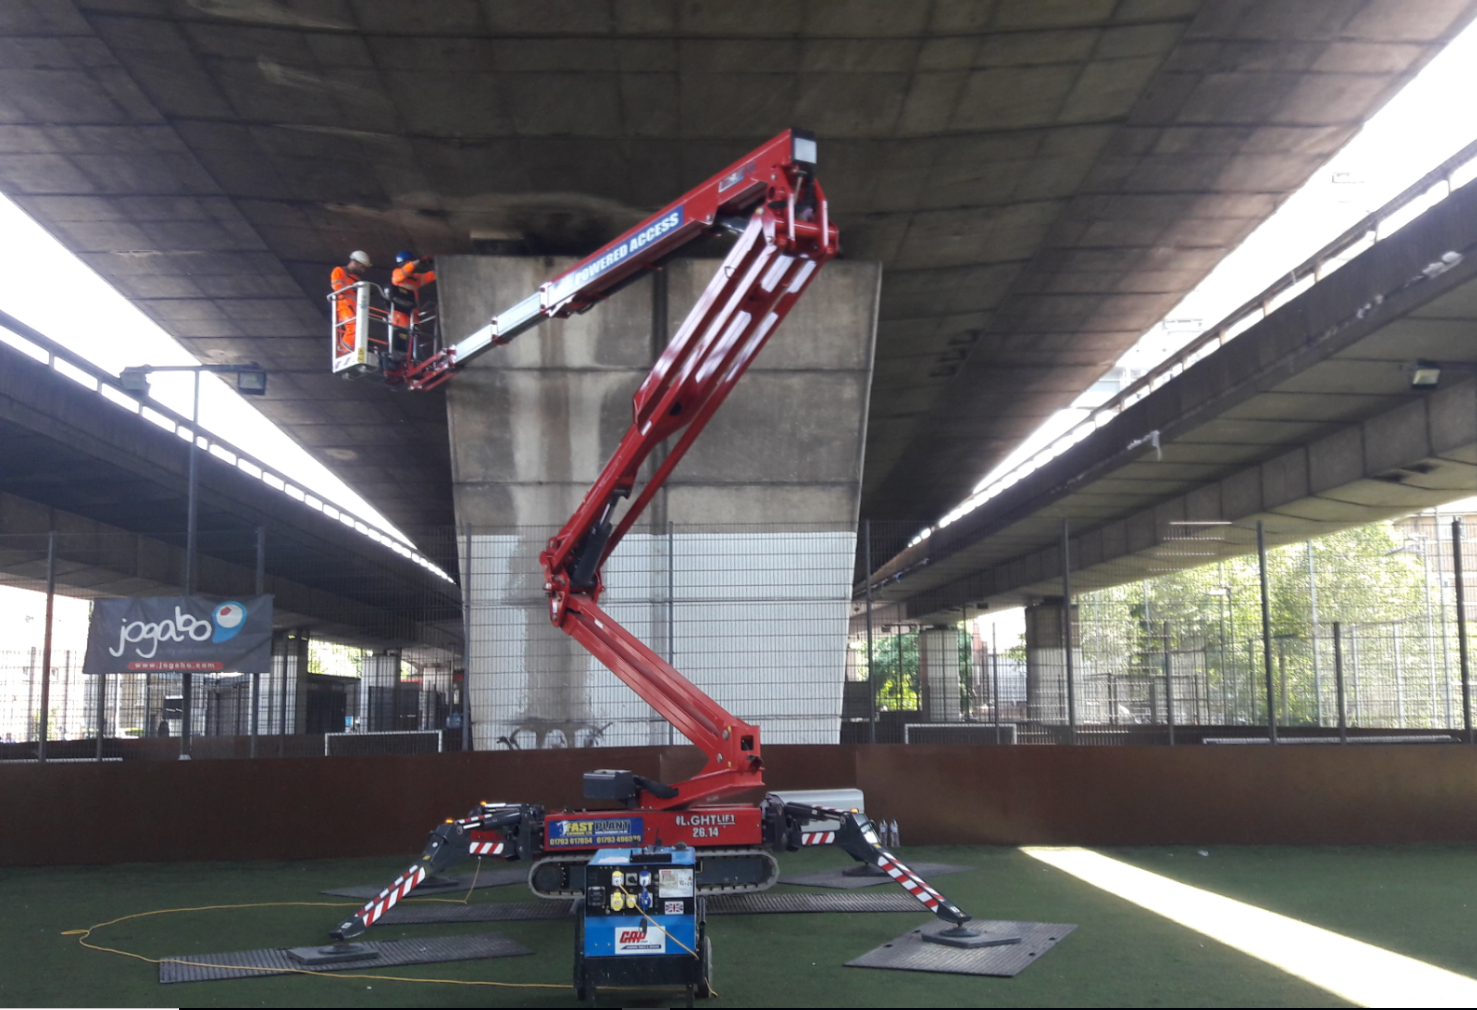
[344,279]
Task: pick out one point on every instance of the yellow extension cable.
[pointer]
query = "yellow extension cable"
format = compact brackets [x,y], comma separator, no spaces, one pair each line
[84,934]
[707,981]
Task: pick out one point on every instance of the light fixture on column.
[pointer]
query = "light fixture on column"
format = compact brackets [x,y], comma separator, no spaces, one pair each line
[1424,374]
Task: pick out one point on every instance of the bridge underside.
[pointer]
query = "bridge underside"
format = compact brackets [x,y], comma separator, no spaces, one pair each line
[1041,182]
[113,486]
[1307,423]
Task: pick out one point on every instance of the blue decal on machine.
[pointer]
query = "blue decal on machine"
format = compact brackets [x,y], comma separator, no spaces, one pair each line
[593,832]
[614,256]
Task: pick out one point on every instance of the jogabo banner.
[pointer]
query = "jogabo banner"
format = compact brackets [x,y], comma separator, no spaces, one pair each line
[187,634]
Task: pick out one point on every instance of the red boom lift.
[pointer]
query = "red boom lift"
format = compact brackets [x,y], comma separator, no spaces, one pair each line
[773,201]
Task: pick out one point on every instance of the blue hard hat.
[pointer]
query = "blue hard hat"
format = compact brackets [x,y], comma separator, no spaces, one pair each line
[404,255]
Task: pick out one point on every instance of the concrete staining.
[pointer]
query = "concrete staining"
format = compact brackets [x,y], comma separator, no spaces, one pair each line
[533,423]
[1040,181]
[744,559]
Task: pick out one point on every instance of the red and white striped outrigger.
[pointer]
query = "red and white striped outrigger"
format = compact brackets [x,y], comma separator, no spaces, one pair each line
[511,831]
[478,834]
[390,896]
[859,838]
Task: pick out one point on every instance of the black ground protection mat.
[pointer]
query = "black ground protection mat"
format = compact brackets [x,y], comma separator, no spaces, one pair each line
[841,880]
[392,953]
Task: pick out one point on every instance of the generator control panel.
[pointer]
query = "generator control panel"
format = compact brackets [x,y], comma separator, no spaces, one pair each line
[641,902]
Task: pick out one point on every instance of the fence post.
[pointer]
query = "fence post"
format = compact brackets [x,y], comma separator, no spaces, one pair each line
[467,648]
[1338,680]
[102,712]
[1317,673]
[671,608]
[45,720]
[995,678]
[871,683]
[1461,628]
[1067,631]
[1261,556]
[282,702]
[261,588]
[1168,687]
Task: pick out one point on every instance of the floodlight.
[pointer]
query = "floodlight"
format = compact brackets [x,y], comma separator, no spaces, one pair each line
[251,380]
[1425,375]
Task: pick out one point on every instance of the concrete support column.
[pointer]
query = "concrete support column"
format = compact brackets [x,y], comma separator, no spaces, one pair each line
[938,663]
[435,695]
[746,592]
[1046,661]
[284,701]
[379,677]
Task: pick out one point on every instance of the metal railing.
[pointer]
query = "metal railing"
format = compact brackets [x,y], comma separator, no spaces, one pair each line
[77,368]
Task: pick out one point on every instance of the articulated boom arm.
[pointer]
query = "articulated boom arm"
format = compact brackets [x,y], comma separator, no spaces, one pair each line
[772,199]
[787,238]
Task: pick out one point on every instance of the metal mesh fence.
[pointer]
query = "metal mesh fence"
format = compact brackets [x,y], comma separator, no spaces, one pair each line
[771,621]
[1362,641]
[360,647]
[755,615]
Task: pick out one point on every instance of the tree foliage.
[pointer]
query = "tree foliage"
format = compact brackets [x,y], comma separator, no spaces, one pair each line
[1365,578]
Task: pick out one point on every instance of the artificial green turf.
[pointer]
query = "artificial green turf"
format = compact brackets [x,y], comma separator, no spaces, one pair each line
[1120,955]
[1418,900]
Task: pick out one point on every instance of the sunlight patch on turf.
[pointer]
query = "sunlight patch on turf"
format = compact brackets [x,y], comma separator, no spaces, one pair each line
[1359,972]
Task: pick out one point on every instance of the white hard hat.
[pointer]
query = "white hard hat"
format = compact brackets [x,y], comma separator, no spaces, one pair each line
[360,256]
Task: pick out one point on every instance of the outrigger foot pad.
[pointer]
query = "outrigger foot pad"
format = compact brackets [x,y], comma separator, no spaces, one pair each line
[333,953]
[969,938]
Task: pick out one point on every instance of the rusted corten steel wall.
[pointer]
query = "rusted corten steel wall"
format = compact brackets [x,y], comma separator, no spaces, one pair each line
[317,808]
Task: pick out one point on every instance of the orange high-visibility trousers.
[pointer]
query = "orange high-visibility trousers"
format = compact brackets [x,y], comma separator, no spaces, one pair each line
[345,309]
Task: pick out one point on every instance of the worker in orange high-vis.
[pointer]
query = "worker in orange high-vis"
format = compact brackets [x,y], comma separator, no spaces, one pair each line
[412,273]
[345,302]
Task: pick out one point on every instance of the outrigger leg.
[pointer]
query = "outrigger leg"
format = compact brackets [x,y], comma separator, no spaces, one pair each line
[492,830]
[859,838]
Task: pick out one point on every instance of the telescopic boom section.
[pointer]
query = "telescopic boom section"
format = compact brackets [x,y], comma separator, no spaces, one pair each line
[774,170]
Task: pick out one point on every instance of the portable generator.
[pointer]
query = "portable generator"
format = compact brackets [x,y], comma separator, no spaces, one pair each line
[642,923]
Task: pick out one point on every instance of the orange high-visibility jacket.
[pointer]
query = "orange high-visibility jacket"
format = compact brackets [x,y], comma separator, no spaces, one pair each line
[410,277]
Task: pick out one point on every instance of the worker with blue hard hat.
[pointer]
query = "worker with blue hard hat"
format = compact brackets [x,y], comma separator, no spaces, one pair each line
[411,273]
